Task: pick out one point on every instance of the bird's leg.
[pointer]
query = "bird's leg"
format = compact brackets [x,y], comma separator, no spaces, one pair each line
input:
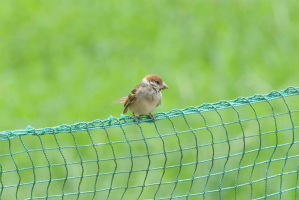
[137,118]
[153,116]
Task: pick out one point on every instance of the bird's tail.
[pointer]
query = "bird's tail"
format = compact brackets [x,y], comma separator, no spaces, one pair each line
[121,100]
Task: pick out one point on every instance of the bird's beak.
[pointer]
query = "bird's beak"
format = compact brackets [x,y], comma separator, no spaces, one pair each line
[164,86]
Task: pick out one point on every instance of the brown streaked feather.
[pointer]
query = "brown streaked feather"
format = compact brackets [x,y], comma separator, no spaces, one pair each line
[130,99]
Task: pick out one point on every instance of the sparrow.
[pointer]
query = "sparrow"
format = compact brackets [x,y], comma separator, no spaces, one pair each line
[145,97]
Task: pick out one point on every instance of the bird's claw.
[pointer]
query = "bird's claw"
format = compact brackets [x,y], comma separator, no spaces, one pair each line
[153,116]
[136,117]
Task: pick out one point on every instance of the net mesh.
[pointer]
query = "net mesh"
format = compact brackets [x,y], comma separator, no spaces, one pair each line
[245,148]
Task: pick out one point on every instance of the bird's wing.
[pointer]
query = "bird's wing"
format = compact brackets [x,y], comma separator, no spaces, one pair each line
[131,99]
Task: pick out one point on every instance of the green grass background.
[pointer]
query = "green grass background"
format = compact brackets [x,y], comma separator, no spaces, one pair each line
[64,62]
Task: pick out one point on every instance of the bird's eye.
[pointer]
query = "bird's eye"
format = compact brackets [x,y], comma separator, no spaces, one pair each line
[158,82]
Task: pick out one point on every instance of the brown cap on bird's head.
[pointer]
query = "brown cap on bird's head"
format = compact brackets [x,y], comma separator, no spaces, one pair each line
[156,79]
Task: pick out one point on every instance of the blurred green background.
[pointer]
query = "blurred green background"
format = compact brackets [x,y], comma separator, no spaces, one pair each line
[63,61]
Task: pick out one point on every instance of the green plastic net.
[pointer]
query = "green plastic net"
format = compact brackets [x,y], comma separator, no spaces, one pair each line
[247,148]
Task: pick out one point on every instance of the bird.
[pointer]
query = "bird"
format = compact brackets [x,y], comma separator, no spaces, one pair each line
[145,97]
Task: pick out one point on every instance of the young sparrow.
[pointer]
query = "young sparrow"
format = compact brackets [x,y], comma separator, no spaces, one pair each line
[145,97]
